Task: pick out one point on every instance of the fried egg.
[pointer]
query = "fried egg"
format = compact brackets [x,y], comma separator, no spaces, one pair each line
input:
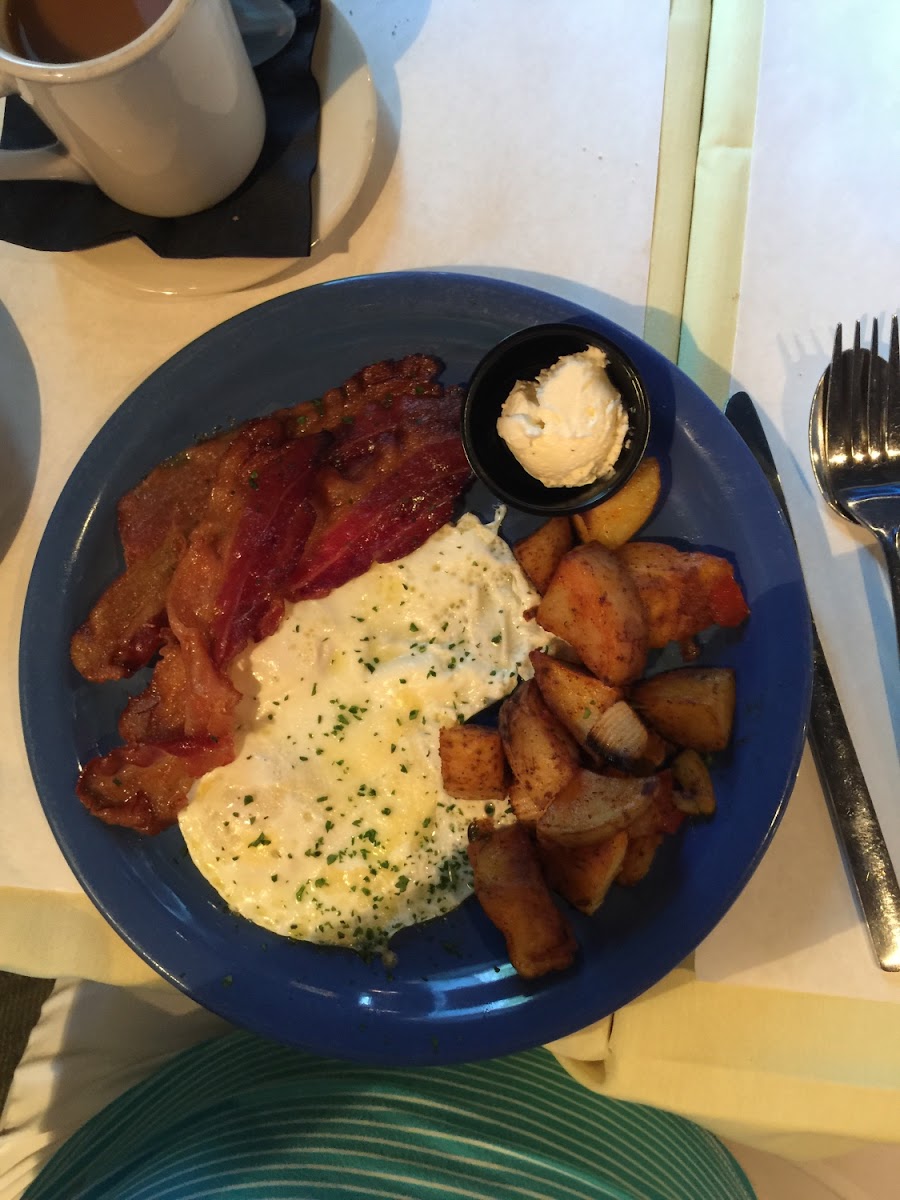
[332,824]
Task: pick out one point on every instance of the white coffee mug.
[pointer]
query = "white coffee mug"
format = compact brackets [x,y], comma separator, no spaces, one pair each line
[167,125]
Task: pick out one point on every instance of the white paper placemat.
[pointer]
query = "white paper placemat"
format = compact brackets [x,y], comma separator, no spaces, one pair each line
[822,247]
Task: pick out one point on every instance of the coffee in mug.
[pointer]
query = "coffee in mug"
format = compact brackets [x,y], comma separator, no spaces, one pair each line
[68,31]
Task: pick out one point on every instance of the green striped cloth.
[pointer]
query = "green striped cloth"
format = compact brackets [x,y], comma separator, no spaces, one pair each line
[240,1117]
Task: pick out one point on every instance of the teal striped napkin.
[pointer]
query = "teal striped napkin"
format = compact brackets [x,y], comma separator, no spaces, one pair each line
[240,1117]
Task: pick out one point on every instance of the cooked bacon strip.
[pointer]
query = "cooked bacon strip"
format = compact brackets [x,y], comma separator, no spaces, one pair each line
[157,713]
[278,520]
[269,540]
[381,423]
[173,496]
[144,787]
[683,593]
[127,625]
[188,695]
[399,513]
[380,383]
[393,498]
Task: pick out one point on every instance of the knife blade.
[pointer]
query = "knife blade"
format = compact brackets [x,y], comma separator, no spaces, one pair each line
[840,774]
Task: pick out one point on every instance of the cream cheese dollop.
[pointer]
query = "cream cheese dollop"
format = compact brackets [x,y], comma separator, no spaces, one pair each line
[568,426]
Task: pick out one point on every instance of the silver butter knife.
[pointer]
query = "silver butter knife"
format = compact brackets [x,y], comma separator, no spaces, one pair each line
[852,812]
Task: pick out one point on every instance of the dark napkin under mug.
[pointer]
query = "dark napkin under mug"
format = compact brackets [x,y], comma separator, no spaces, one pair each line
[269,216]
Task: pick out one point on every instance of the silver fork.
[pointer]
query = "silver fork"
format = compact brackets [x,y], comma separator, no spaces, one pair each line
[855,442]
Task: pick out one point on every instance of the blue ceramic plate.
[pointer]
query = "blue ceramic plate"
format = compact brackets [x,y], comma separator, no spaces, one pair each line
[452,995]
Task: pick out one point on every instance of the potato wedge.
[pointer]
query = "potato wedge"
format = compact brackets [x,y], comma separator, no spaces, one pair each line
[595,714]
[693,793]
[615,521]
[638,859]
[682,592]
[574,696]
[583,875]
[473,765]
[691,706]
[593,604]
[591,808]
[541,754]
[539,554]
[511,889]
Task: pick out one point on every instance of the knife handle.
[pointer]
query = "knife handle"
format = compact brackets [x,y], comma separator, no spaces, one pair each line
[853,814]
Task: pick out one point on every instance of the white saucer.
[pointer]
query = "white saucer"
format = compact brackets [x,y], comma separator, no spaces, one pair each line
[346,143]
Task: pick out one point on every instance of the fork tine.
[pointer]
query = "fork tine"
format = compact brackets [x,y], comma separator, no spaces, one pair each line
[891,415]
[856,417]
[874,445]
[833,434]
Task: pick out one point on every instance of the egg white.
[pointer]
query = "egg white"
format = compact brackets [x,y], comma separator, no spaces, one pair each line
[332,824]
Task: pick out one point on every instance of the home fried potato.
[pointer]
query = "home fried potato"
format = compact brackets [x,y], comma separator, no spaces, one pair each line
[691,706]
[573,695]
[473,765]
[694,793]
[541,753]
[647,831]
[638,859]
[605,764]
[594,713]
[593,604]
[592,807]
[539,554]
[682,592]
[614,521]
[583,875]
[662,815]
[511,889]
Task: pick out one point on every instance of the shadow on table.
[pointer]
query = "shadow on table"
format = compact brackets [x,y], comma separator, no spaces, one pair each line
[404,30]
[20,429]
[710,376]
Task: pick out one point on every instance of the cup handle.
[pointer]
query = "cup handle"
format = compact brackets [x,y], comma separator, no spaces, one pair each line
[264,25]
[45,162]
